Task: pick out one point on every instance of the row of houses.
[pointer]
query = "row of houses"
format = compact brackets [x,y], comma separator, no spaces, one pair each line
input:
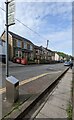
[24,48]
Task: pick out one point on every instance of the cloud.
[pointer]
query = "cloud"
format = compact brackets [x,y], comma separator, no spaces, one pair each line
[61,41]
[44,1]
[40,15]
[2,19]
[52,20]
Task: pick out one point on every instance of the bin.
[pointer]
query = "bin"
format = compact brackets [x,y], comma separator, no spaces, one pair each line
[12,89]
[23,61]
[18,60]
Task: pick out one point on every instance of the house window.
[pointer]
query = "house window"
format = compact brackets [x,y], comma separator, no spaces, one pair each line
[36,51]
[50,53]
[18,53]
[25,45]
[18,43]
[1,42]
[31,47]
[28,46]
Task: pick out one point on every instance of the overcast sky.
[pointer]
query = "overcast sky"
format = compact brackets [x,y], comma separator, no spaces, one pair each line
[51,20]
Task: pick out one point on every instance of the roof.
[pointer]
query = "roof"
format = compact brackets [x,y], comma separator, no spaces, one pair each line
[2,40]
[48,50]
[37,47]
[19,37]
[41,47]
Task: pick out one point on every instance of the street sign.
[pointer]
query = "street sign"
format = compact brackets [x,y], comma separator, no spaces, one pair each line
[10,0]
[11,8]
[11,12]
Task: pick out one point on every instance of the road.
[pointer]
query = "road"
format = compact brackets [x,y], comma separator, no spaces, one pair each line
[29,71]
[39,77]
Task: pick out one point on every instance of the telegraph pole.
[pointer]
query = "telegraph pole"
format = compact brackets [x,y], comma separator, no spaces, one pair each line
[47,43]
[7,53]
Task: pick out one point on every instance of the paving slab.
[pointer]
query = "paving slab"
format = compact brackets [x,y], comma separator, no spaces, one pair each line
[53,111]
[73,92]
[57,103]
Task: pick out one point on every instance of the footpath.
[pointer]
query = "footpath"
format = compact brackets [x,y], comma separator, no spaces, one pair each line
[58,104]
[11,64]
[73,92]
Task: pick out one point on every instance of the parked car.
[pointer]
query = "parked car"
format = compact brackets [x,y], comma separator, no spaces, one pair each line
[61,61]
[67,63]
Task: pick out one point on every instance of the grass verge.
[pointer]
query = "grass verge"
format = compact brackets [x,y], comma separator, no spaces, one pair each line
[69,111]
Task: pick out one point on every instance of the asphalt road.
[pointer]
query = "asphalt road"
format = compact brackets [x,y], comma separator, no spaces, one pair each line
[29,71]
[35,87]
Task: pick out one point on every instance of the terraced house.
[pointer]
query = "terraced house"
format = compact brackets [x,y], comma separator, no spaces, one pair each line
[19,46]
[44,54]
[38,52]
[23,48]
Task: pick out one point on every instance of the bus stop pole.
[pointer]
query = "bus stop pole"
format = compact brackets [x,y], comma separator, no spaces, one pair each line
[7,47]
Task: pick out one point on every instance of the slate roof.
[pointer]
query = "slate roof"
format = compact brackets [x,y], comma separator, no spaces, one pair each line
[37,47]
[19,37]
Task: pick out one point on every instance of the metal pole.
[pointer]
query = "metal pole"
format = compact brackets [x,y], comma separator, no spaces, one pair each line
[47,43]
[7,54]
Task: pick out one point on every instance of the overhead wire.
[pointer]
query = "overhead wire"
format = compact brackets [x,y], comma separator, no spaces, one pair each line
[31,29]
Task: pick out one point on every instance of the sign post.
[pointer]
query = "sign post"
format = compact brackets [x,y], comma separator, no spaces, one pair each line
[9,21]
[7,74]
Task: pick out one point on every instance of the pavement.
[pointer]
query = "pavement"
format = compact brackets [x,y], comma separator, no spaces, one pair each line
[73,92]
[57,104]
[28,94]
[11,64]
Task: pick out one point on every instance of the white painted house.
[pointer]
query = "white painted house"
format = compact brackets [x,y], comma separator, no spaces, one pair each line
[57,57]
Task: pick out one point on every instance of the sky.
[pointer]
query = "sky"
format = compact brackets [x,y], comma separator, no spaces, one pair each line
[51,20]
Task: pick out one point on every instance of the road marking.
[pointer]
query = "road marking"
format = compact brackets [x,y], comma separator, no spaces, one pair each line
[3,90]
[32,79]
